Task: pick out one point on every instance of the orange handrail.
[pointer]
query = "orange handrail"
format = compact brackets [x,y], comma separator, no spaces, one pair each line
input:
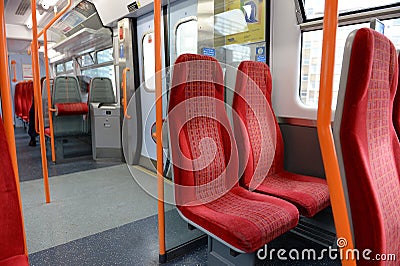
[49,103]
[55,18]
[124,83]
[159,118]
[38,99]
[7,110]
[14,70]
[331,164]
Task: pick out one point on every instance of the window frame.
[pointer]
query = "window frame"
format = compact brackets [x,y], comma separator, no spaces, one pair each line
[179,23]
[363,16]
[302,17]
[143,67]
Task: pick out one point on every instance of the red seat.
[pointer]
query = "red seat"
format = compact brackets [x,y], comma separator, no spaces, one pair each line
[396,108]
[253,123]
[12,246]
[18,100]
[205,163]
[27,100]
[47,132]
[367,143]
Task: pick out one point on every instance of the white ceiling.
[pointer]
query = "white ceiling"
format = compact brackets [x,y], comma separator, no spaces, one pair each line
[18,35]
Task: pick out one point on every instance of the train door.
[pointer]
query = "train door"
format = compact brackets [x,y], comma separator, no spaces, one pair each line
[145,41]
[126,61]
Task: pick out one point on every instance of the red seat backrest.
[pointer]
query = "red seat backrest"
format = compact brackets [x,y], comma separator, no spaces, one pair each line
[202,143]
[369,143]
[23,99]
[28,99]
[253,106]
[396,107]
[11,227]
[18,99]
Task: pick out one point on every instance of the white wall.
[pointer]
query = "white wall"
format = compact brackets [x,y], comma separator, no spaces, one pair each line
[285,62]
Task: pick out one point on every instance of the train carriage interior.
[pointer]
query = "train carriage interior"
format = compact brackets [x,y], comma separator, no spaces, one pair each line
[199,132]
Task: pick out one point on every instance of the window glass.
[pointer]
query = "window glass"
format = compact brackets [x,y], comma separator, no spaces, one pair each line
[60,68]
[104,71]
[315,8]
[69,66]
[186,37]
[148,61]
[105,56]
[392,31]
[86,60]
[311,63]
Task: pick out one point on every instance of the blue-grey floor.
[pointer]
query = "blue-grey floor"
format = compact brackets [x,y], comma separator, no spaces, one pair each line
[137,244]
[30,166]
[132,243]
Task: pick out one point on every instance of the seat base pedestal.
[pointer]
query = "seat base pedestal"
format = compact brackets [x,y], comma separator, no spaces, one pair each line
[219,254]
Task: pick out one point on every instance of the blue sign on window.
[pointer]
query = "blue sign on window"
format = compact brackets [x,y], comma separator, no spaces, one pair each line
[209,51]
[261,58]
[260,50]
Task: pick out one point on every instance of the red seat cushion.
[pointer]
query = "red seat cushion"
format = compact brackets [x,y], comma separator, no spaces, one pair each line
[370,146]
[205,162]
[20,260]
[244,219]
[11,227]
[309,194]
[65,109]
[256,123]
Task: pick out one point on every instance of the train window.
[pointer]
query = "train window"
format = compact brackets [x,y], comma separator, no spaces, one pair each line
[86,60]
[148,61]
[60,68]
[103,71]
[314,9]
[311,63]
[105,56]
[392,31]
[186,37]
[69,66]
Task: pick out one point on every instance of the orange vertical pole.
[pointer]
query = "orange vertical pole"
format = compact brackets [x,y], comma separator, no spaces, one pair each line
[160,177]
[35,101]
[46,62]
[6,104]
[38,99]
[328,150]
[49,104]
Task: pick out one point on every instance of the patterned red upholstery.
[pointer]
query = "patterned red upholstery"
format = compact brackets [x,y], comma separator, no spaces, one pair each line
[369,144]
[64,109]
[396,108]
[252,103]
[27,99]
[11,227]
[23,99]
[205,162]
[18,100]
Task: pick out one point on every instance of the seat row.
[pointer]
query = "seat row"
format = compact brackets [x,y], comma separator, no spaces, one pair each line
[70,107]
[232,185]
[265,203]
[23,99]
